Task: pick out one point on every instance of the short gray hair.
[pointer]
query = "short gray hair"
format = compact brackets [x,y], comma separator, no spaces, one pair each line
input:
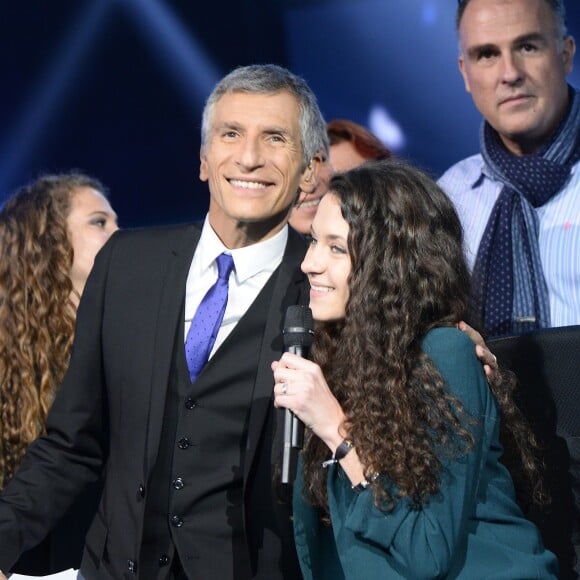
[266,79]
[556,6]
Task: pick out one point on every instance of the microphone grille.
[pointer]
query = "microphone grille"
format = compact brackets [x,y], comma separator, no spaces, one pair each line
[298,326]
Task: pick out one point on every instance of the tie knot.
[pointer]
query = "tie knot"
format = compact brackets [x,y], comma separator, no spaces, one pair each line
[225,264]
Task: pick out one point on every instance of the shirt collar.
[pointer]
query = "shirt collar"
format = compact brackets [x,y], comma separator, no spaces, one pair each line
[478,176]
[248,261]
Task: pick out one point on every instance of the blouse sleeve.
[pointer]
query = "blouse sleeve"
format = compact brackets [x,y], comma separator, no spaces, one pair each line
[423,540]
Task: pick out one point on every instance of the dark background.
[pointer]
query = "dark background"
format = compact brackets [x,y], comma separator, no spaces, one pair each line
[116,87]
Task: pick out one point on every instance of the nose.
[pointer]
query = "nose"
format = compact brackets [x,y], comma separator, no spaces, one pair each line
[250,154]
[112,228]
[312,263]
[511,70]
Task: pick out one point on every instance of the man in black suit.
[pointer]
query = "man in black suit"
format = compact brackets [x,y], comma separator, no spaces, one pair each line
[188,466]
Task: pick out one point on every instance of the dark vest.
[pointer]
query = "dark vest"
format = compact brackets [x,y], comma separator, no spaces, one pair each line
[195,501]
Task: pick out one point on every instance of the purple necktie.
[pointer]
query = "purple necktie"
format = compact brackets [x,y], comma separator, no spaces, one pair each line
[208,318]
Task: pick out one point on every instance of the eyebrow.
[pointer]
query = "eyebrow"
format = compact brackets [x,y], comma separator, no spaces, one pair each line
[276,130]
[227,125]
[334,237]
[329,237]
[273,130]
[101,212]
[531,37]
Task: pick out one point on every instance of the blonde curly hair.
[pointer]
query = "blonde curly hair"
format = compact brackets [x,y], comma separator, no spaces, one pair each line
[37,315]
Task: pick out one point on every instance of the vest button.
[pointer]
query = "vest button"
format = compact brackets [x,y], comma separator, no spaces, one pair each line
[141,492]
[190,403]
[178,483]
[131,567]
[163,560]
[184,443]
[176,521]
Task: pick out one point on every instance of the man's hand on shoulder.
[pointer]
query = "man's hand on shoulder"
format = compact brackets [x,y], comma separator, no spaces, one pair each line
[485,356]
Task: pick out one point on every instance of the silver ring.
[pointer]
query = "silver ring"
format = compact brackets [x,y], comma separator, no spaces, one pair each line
[494,359]
[284,388]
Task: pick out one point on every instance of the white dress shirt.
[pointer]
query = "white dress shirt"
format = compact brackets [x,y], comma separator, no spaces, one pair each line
[253,266]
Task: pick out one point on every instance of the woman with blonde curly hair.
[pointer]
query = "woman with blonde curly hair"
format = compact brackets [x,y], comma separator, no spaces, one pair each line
[50,232]
[400,476]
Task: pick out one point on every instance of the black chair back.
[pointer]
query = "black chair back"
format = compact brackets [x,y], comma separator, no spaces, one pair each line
[547,365]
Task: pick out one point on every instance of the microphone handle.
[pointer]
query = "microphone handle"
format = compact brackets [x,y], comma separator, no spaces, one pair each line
[297,432]
[293,434]
[288,453]
[297,424]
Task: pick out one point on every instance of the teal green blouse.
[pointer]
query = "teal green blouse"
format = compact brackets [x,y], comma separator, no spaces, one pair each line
[472,529]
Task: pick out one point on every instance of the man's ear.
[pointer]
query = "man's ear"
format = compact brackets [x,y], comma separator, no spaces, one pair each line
[461,65]
[203,169]
[568,52]
[309,180]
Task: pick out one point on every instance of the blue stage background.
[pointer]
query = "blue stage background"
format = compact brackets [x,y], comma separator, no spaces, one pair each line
[115,87]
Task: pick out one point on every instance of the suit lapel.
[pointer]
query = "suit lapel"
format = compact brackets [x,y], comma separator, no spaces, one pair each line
[177,266]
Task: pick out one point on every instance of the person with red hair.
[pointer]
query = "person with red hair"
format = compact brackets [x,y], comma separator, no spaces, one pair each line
[349,145]
[352,144]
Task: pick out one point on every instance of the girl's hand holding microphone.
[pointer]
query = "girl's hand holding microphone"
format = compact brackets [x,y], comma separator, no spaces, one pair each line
[301,387]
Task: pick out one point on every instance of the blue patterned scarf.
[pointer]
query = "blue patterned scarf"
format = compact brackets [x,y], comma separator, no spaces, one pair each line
[510,295]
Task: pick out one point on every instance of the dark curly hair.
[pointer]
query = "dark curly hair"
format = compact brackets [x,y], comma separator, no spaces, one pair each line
[408,276]
[37,316]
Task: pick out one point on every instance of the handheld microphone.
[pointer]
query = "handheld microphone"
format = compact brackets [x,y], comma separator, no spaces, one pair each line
[298,334]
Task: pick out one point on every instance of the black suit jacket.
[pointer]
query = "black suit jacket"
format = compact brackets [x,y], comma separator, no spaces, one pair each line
[109,410]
